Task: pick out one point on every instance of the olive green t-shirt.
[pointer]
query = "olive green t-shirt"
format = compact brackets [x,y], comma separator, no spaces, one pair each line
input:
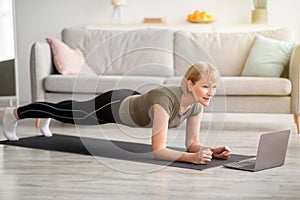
[137,110]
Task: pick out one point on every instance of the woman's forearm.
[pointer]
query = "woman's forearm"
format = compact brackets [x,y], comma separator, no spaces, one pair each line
[172,155]
[202,157]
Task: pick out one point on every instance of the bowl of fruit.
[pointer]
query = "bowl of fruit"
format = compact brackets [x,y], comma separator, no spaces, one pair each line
[200,17]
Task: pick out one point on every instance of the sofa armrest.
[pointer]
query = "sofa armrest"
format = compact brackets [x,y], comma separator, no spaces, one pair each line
[294,74]
[40,66]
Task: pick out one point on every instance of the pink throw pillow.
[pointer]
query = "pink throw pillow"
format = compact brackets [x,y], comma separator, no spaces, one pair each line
[68,61]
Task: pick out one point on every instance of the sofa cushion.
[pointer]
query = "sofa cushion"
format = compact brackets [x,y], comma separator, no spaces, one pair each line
[68,61]
[100,84]
[248,85]
[227,50]
[141,51]
[267,57]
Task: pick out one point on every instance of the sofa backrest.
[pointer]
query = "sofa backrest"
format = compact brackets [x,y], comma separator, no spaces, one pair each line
[228,51]
[124,52]
[163,52]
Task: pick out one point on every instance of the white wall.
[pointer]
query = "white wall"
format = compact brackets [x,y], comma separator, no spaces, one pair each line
[37,19]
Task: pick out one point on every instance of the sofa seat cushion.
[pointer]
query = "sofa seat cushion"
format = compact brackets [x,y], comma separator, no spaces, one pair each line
[259,86]
[85,84]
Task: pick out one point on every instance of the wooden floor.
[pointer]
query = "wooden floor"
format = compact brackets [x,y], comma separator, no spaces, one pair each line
[39,174]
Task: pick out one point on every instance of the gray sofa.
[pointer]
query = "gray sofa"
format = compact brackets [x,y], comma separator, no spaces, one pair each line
[142,59]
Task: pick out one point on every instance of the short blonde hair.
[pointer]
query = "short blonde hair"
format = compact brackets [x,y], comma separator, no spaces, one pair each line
[197,71]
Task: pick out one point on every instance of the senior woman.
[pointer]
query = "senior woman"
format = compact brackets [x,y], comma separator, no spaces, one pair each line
[160,108]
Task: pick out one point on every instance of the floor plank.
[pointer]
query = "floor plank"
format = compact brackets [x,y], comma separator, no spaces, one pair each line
[37,174]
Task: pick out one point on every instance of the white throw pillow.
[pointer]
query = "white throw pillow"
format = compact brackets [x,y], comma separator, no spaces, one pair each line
[267,57]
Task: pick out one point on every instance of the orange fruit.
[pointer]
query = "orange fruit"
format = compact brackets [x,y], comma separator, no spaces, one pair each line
[198,16]
[190,16]
[196,12]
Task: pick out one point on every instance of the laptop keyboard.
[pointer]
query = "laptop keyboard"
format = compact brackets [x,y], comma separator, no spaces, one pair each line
[247,164]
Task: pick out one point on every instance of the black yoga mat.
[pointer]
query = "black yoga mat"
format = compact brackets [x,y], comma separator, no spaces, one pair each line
[129,151]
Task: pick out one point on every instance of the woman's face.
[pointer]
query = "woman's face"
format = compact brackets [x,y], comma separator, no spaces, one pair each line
[203,91]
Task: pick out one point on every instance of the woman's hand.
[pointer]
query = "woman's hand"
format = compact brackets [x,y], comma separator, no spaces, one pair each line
[203,156]
[221,152]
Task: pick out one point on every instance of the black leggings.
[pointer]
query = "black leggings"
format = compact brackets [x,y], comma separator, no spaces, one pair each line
[99,110]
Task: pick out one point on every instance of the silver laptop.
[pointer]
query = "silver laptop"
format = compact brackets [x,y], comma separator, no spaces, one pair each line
[271,153]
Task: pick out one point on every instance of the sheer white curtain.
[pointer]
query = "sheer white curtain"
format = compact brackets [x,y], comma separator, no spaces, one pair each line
[7,51]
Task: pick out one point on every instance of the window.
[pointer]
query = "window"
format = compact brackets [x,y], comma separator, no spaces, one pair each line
[7,50]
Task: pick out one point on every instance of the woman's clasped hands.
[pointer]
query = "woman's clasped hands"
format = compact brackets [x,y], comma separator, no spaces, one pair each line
[205,155]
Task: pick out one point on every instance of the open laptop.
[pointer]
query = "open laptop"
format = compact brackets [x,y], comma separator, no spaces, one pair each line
[271,152]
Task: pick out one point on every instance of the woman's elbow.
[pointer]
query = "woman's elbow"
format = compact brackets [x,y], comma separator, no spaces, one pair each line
[156,155]
[157,152]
